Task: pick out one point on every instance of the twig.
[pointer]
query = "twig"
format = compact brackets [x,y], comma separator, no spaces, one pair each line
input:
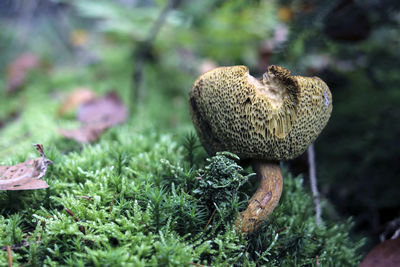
[80,227]
[72,214]
[209,220]
[281,230]
[144,49]
[10,261]
[313,182]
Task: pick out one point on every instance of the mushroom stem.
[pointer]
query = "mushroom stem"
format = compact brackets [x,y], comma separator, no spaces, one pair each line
[267,196]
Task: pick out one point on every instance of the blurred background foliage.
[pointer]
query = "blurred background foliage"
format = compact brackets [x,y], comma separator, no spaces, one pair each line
[353,45]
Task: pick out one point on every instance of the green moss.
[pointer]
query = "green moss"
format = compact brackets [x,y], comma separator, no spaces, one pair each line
[142,208]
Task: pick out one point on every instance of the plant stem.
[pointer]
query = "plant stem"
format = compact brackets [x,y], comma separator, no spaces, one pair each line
[144,50]
[267,196]
[313,182]
[209,220]
[10,259]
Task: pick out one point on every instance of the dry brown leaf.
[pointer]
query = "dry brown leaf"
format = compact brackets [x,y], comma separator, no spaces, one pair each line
[96,116]
[25,175]
[108,110]
[386,254]
[75,99]
[85,134]
[18,70]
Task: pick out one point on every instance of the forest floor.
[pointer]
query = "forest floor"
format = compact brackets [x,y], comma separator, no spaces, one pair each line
[136,197]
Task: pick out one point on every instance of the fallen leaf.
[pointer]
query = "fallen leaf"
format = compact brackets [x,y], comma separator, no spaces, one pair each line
[85,134]
[97,116]
[107,111]
[25,175]
[386,254]
[19,69]
[75,99]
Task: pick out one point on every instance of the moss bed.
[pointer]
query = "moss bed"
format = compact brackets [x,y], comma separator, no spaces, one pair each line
[145,194]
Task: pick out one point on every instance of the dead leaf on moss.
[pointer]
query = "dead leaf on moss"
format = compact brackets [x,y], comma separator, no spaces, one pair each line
[97,116]
[108,110]
[385,254]
[19,69]
[25,175]
[85,134]
[76,98]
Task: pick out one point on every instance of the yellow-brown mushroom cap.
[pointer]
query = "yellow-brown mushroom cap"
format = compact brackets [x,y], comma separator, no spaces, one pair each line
[275,118]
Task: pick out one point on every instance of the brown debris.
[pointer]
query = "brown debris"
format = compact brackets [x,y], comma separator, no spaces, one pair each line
[107,110]
[80,227]
[19,69]
[385,254]
[96,116]
[25,175]
[85,134]
[75,99]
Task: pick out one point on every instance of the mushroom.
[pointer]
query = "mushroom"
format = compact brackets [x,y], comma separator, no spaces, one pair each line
[264,121]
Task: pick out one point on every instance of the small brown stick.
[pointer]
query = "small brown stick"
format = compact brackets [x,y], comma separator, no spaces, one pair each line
[10,260]
[209,220]
[281,230]
[81,228]
[72,214]
[112,202]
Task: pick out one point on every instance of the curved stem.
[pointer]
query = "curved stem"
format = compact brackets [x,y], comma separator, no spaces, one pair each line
[267,196]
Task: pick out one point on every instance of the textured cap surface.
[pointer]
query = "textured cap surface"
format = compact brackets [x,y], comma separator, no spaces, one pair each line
[275,118]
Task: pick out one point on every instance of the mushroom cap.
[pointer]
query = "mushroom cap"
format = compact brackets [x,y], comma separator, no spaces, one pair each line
[275,118]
